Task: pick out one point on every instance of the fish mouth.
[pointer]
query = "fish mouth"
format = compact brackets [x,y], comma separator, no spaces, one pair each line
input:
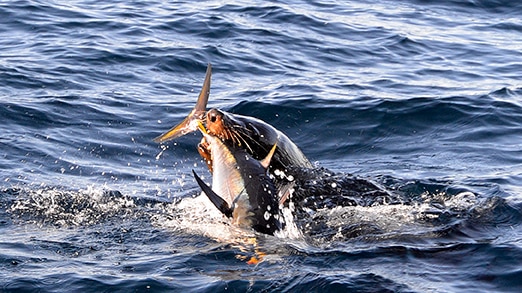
[190,123]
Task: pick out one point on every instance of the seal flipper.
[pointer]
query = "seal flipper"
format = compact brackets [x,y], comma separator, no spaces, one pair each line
[220,203]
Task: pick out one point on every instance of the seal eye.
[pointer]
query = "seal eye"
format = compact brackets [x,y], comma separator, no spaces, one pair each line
[213,116]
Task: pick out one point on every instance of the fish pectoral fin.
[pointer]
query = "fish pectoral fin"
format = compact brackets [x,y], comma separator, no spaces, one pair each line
[219,202]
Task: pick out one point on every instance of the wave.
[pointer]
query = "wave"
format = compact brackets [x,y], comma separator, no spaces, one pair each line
[504,7]
[421,98]
[425,210]
[122,237]
[341,127]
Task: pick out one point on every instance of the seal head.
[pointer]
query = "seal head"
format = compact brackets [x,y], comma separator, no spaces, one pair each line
[256,137]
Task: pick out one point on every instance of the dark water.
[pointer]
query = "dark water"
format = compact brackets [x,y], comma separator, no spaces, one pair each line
[421,97]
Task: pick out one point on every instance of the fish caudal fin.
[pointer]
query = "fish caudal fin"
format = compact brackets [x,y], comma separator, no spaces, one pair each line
[189,124]
[219,202]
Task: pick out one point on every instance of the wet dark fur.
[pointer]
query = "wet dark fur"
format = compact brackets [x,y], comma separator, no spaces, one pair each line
[257,138]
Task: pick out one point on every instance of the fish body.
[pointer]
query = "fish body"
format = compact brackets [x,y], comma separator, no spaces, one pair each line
[241,186]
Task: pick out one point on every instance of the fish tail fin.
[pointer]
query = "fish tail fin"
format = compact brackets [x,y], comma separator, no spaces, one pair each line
[189,124]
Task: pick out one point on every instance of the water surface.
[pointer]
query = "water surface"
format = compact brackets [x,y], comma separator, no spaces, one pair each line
[420,97]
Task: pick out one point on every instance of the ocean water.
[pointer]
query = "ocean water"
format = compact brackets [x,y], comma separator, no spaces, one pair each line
[423,98]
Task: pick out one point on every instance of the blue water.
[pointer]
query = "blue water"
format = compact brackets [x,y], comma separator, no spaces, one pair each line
[424,98]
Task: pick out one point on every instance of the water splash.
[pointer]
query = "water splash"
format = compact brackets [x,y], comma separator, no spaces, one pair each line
[197,215]
[59,207]
[290,231]
[163,149]
[430,214]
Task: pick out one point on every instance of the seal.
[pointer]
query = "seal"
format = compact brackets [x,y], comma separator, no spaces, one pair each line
[241,187]
[256,137]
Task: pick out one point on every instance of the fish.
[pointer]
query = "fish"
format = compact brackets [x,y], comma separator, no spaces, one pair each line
[242,189]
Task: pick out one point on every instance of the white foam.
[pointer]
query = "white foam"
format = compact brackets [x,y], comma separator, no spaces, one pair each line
[68,207]
[197,215]
[290,231]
